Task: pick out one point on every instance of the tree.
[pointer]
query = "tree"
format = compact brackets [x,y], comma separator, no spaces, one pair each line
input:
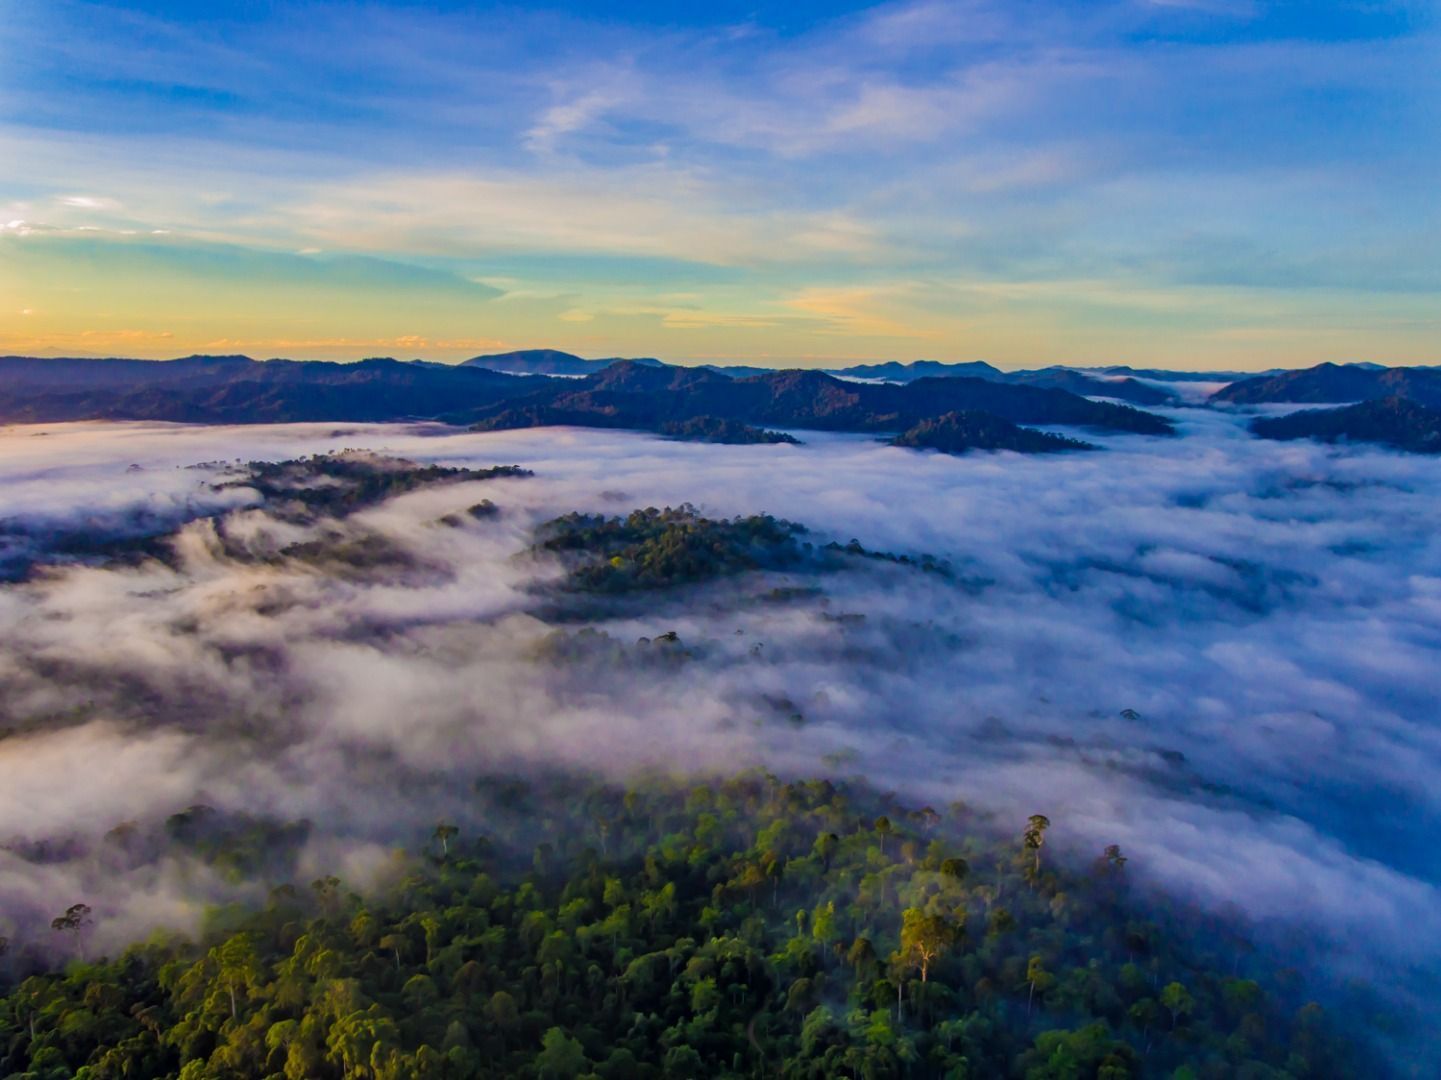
[239,968]
[393,942]
[823,924]
[561,1057]
[327,892]
[1177,1000]
[444,833]
[883,830]
[1038,978]
[1111,862]
[924,938]
[1035,837]
[503,1013]
[1143,1014]
[955,868]
[75,919]
[861,955]
[825,849]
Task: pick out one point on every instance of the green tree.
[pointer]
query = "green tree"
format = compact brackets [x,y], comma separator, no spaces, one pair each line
[924,938]
[883,828]
[561,1057]
[1177,1001]
[1037,978]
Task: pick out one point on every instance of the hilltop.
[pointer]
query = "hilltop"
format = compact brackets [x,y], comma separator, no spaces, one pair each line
[1335,384]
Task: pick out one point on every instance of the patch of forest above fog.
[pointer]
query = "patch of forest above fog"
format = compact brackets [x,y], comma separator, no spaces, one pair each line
[742,926]
[299,492]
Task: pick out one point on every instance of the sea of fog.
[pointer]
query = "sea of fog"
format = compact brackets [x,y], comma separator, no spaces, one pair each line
[1216,651]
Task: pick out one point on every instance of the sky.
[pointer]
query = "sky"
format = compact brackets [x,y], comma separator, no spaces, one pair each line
[1212,184]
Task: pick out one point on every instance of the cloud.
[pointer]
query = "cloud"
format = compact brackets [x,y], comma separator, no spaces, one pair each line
[89,202]
[604,90]
[856,311]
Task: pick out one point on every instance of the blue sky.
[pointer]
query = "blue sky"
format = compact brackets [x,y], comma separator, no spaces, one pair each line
[1207,183]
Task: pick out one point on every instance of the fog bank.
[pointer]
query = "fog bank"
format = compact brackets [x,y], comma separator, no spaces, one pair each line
[1216,651]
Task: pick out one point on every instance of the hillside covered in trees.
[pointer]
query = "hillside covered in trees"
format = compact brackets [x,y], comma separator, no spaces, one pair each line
[734,928]
[1397,422]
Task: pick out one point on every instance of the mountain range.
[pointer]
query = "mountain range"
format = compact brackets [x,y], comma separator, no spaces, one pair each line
[548,387]
[631,394]
[1119,386]
[642,394]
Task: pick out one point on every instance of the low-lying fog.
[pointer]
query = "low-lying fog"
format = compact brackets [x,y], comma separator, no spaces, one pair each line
[1219,652]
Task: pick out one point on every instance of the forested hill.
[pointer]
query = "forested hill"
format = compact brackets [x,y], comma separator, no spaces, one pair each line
[737,928]
[1395,422]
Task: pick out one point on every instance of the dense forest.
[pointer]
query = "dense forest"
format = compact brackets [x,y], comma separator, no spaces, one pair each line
[733,928]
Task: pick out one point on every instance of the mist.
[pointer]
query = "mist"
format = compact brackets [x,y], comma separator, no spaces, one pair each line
[1216,651]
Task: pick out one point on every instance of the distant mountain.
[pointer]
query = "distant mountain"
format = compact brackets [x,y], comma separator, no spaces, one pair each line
[631,395]
[1393,421]
[894,371]
[1336,384]
[239,390]
[544,362]
[736,371]
[959,432]
[1055,378]
[555,362]
[1078,382]
[1166,375]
